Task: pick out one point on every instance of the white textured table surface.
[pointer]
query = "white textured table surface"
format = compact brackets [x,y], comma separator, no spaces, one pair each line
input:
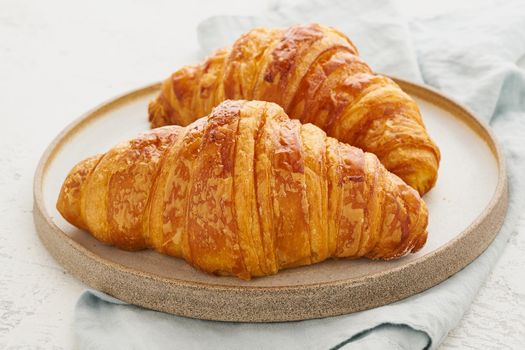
[59,59]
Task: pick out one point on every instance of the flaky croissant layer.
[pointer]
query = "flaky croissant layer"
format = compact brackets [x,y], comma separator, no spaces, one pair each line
[315,74]
[245,191]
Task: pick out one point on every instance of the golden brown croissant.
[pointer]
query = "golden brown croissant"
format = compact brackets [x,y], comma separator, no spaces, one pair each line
[245,191]
[315,74]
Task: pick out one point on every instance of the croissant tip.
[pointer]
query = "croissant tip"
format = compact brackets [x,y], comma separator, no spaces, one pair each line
[69,199]
[420,243]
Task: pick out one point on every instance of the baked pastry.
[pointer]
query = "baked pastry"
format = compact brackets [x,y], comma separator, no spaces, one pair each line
[245,191]
[315,74]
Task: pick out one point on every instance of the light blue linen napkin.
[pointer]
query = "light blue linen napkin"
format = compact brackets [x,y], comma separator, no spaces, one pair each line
[476,56]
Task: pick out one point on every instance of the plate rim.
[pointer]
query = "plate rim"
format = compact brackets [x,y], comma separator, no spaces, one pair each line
[49,232]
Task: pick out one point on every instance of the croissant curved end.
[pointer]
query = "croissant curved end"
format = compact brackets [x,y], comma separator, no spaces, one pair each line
[421,171]
[69,199]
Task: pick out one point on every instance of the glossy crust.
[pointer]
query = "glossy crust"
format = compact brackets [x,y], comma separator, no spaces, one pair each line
[315,74]
[245,191]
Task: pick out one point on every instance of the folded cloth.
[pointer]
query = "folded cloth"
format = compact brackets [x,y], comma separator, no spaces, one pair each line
[477,56]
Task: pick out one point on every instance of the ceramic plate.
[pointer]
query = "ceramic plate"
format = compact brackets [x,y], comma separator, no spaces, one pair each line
[466,210]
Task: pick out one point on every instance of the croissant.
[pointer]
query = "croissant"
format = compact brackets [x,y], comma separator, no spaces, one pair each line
[245,191]
[315,74]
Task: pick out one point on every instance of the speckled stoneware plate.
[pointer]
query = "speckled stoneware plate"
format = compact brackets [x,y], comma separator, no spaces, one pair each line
[466,207]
